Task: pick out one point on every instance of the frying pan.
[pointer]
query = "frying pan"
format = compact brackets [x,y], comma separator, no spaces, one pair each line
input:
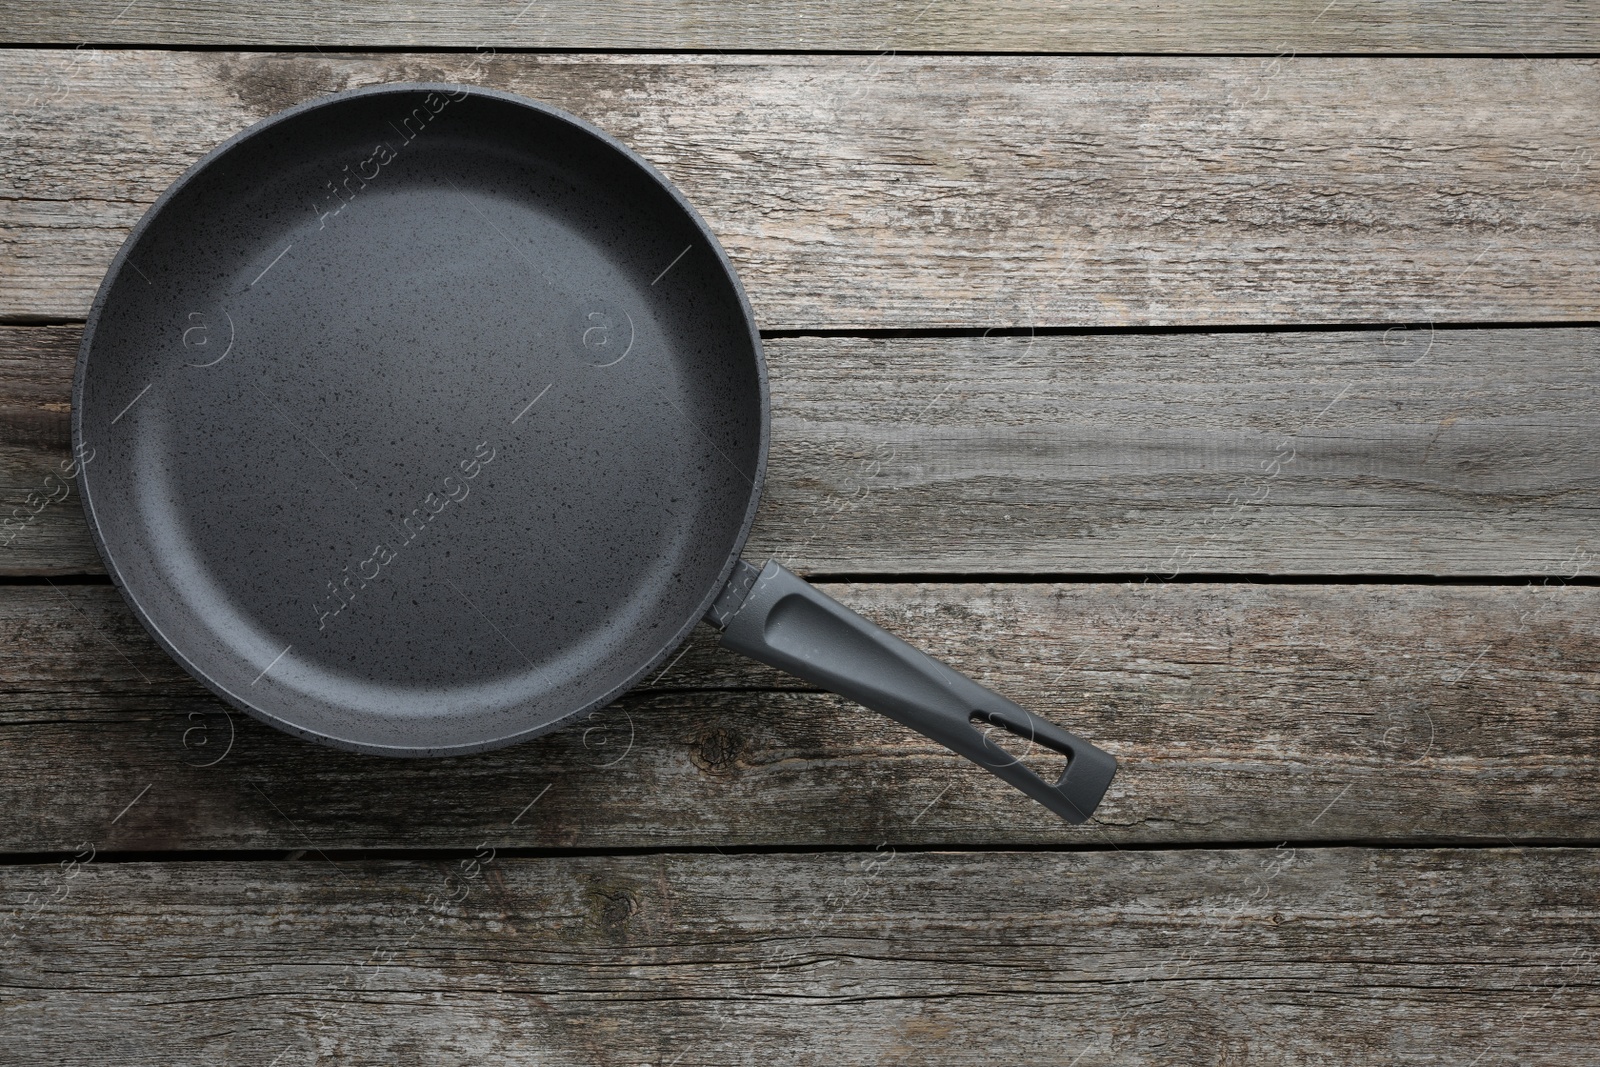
[422,419]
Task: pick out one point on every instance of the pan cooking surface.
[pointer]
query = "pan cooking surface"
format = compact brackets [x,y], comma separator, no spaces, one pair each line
[419,420]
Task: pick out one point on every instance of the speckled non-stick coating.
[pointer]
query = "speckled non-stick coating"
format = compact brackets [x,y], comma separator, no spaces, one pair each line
[420,419]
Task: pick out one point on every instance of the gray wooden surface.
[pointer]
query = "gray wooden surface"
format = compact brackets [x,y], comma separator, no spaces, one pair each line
[1116,191]
[1318,565]
[1273,27]
[1241,713]
[1288,955]
[1397,451]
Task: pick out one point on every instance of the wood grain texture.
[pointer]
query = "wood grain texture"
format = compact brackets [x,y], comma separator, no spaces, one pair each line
[1251,956]
[896,191]
[1238,712]
[1399,452]
[1271,26]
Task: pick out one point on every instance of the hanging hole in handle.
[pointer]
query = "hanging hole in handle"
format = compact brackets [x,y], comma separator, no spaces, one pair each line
[1015,742]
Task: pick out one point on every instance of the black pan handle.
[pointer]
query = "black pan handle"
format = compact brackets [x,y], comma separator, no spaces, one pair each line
[774,616]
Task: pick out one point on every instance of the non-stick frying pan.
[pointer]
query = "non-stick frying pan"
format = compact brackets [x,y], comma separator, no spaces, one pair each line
[422,419]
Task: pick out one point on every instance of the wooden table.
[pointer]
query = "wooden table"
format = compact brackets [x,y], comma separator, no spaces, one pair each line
[1223,382]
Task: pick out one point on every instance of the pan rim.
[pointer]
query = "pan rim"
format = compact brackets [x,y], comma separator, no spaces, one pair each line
[117,268]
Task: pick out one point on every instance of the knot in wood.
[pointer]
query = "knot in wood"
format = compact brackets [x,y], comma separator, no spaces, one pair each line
[717,751]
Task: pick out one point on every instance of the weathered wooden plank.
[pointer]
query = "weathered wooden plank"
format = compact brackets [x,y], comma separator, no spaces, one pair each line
[1239,712]
[1272,26]
[898,191]
[1260,956]
[1406,452]
[1393,453]
[42,529]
